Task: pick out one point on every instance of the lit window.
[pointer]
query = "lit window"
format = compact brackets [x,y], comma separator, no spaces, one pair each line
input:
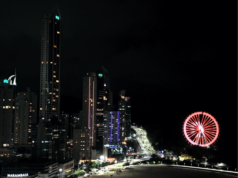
[9,99]
[57,81]
[6,107]
[57,96]
[55,46]
[3,99]
[51,62]
[42,62]
[54,76]
[58,55]
[54,63]
[40,108]
[85,101]
[58,32]
[54,72]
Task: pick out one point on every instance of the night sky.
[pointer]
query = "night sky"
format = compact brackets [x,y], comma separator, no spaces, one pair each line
[172,57]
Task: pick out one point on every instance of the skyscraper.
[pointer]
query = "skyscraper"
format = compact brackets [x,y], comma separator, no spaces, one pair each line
[104,103]
[124,105]
[7,111]
[89,116]
[49,138]
[50,66]
[25,116]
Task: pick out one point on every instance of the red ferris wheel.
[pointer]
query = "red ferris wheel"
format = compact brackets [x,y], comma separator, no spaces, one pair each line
[201,128]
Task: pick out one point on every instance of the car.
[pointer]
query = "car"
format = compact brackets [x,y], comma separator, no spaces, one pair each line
[86,175]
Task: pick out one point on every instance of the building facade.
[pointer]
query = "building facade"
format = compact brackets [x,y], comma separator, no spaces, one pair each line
[104,103]
[30,169]
[50,135]
[124,105]
[114,135]
[25,116]
[7,111]
[88,127]
[50,66]
[111,128]
[42,140]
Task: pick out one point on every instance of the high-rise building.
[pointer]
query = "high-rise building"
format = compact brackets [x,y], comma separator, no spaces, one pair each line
[41,140]
[50,66]
[88,127]
[50,135]
[25,116]
[7,111]
[124,105]
[111,128]
[114,133]
[75,121]
[49,140]
[104,103]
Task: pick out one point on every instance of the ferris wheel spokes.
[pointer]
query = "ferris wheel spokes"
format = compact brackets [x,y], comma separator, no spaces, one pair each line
[201,129]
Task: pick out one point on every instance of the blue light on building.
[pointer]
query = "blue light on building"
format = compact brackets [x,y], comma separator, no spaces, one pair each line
[5,81]
[57,17]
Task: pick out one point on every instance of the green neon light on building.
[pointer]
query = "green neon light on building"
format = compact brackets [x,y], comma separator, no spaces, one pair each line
[100,75]
[57,17]
[5,81]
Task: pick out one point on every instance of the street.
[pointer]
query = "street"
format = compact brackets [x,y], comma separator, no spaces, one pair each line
[162,171]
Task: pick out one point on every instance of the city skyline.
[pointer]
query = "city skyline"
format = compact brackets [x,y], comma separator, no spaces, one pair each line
[168,62]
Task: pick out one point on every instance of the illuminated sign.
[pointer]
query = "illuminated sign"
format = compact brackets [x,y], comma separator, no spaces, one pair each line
[105,84]
[10,80]
[57,17]
[100,75]
[5,81]
[17,175]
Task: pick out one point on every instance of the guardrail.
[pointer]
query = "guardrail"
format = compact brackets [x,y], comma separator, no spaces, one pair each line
[215,170]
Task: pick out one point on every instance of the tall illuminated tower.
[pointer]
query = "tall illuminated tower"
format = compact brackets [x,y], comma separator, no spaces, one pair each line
[88,132]
[50,66]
